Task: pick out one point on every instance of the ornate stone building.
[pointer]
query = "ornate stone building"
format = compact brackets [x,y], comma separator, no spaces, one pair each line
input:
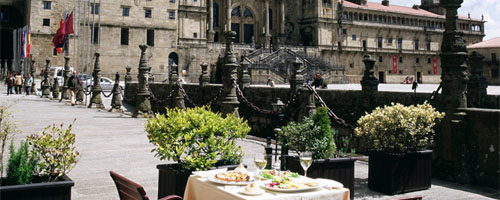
[490,49]
[330,36]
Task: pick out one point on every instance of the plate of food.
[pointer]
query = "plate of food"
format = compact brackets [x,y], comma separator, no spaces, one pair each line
[231,178]
[270,174]
[284,184]
[252,190]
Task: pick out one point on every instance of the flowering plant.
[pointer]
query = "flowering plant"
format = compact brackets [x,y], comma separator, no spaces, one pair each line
[399,128]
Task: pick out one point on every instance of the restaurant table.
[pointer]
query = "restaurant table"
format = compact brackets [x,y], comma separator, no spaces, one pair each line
[198,188]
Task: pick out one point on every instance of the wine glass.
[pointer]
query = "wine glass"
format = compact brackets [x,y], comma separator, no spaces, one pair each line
[305,161]
[260,161]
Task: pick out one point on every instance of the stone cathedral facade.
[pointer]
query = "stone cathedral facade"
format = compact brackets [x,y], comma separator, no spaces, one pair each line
[333,34]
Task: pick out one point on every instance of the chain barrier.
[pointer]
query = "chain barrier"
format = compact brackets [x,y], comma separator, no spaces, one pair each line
[219,94]
[107,96]
[159,101]
[86,92]
[337,119]
[264,111]
[186,96]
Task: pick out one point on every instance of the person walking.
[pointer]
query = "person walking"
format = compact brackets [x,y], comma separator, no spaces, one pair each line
[117,76]
[27,84]
[10,84]
[73,84]
[318,81]
[414,86]
[18,83]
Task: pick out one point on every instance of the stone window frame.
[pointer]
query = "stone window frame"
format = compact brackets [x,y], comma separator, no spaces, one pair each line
[95,8]
[126,43]
[380,42]
[150,37]
[416,44]
[354,37]
[128,11]
[146,9]
[171,14]
[46,22]
[47,5]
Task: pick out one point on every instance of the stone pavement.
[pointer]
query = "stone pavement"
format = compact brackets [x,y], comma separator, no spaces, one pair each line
[114,141]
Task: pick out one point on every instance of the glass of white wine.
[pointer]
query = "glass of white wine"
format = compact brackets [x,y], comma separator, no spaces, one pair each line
[305,161]
[260,161]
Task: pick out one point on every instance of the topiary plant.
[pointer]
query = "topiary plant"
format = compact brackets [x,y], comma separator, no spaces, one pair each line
[196,138]
[21,165]
[55,147]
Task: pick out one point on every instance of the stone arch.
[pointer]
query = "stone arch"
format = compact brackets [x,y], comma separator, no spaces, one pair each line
[173,58]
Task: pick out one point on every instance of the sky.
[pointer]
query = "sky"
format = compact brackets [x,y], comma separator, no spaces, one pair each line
[488,8]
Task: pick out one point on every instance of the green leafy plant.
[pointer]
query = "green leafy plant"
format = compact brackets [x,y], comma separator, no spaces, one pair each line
[312,134]
[399,128]
[55,147]
[196,138]
[21,165]
[7,128]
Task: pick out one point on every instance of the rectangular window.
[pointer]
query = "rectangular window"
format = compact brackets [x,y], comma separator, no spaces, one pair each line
[379,42]
[46,22]
[428,45]
[54,52]
[354,37]
[380,59]
[364,45]
[428,60]
[148,13]
[47,5]
[339,44]
[195,35]
[124,36]
[96,35]
[417,60]
[400,43]
[94,9]
[150,37]
[400,59]
[494,57]
[172,1]
[126,11]
[389,40]
[171,14]
[416,45]
[344,31]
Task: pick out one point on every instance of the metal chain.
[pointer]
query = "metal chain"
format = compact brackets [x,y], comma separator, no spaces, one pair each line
[264,111]
[160,101]
[219,94]
[185,95]
[337,119]
[107,96]
[86,92]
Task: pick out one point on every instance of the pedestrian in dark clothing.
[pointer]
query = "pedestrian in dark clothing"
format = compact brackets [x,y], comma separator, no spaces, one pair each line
[10,84]
[73,85]
[117,76]
[414,86]
[318,81]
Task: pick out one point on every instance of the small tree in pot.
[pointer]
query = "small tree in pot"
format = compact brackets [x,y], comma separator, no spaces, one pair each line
[398,138]
[196,139]
[315,134]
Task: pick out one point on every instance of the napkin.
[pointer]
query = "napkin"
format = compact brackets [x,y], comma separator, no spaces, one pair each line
[204,174]
[330,184]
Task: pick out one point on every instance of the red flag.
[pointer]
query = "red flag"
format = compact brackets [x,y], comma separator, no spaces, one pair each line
[394,64]
[435,66]
[60,34]
[69,24]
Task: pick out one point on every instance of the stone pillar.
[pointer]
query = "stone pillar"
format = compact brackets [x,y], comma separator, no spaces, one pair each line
[56,90]
[33,72]
[143,104]
[211,32]
[46,81]
[244,76]
[11,66]
[477,86]
[451,145]
[67,74]
[369,83]
[228,15]
[204,77]
[174,75]
[282,36]
[96,98]
[297,79]
[128,76]
[267,34]
[229,104]
[116,100]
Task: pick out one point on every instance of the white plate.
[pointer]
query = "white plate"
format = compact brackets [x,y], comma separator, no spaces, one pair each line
[255,193]
[290,190]
[214,180]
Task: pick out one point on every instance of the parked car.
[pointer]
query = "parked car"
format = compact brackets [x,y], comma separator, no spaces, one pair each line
[58,72]
[106,84]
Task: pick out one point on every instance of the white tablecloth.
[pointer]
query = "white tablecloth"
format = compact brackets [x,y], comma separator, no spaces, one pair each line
[201,189]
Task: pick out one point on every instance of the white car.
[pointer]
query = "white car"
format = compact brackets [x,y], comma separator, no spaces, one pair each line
[106,84]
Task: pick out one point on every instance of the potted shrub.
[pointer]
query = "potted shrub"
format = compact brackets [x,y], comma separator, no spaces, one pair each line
[399,138]
[38,170]
[196,139]
[315,134]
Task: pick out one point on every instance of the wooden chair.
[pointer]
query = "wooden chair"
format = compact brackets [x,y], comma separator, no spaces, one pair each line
[128,190]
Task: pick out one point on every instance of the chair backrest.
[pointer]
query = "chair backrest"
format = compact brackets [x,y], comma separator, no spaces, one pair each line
[127,189]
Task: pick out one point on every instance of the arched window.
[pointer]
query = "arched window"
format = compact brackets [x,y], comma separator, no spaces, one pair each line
[216,14]
[236,12]
[247,13]
[242,22]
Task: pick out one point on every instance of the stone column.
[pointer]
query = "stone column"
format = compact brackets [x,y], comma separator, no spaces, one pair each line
[229,104]
[55,90]
[243,76]
[282,36]
[204,77]
[228,15]
[211,32]
[174,75]
[477,86]
[143,104]
[116,100]
[369,83]
[33,72]
[46,81]
[267,34]
[128,76]
[451,144]
[67,73]
[11,66]
[96,98]
[297,79]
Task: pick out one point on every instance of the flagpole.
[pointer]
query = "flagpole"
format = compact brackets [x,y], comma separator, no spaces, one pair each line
[93,25]
[77,54]
[99,28]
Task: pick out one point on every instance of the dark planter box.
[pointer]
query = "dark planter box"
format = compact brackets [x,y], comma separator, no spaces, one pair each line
[172,179]
[339,169]
[60,190]
[395,173]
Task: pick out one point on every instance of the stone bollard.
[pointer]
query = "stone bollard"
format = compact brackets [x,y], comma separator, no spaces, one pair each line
[243,75]
[46,81]
[477,85]
[229,104]
[308,107]
[80,96]
[96,98]
[297,79]
[143,104]
[128,76]
[55,90]
[204,77]
[369,83]
[33,71]
[67,73]
[116,100]
[174,75]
